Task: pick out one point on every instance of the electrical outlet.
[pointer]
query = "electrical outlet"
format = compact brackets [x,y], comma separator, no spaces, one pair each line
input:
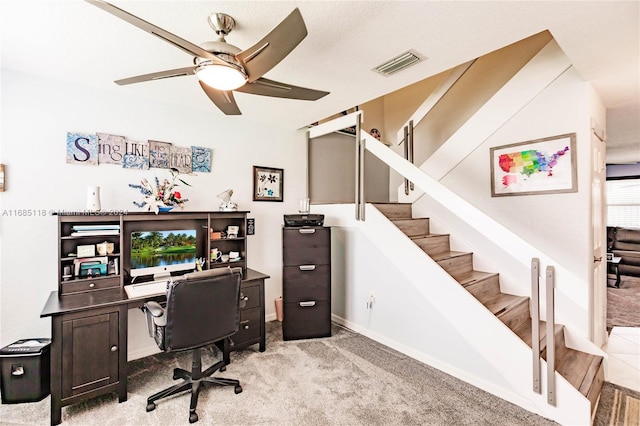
[372,300]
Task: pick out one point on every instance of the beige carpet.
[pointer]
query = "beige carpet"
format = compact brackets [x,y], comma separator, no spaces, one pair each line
[618,407]
[344,380]
[623,304]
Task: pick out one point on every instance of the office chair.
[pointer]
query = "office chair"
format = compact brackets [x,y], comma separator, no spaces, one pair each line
[202,308]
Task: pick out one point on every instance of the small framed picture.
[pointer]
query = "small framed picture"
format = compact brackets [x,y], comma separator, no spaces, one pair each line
[267,184]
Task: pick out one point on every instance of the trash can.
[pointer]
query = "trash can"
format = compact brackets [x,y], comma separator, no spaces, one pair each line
[25,371]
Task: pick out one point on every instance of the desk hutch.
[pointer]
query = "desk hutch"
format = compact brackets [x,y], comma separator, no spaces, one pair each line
[89,314]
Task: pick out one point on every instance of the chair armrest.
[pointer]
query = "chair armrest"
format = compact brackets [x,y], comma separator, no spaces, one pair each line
[155,314]
[154,308]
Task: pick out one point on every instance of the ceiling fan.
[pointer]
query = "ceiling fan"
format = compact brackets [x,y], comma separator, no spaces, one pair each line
[221,67]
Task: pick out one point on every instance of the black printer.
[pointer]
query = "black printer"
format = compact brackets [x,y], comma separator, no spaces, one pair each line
[300,220]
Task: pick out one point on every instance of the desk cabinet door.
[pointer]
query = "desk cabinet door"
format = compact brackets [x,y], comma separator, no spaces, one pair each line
[89,353]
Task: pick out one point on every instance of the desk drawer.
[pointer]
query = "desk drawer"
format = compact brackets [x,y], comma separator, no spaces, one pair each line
[306,319]
[249,327]
[306,282]
[79,286]
[251,296]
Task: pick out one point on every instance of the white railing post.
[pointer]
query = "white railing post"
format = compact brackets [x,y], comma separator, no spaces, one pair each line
[535,322]
[551,343]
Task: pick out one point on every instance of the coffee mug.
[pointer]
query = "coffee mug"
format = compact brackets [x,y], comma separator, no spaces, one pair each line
[215,254]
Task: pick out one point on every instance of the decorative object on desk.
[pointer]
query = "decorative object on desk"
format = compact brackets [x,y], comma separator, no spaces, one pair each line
[163,195]
[303,206]
[267,184]
[234,255]
[227,205]
[66,273]
[104,248]
[540,166]
[213,235]
[251,226]
[86,251]
[93,198]
[224,258]
[232,231]
[215,255]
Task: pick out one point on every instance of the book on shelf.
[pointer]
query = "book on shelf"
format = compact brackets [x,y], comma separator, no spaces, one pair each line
[96,227]
[96,232]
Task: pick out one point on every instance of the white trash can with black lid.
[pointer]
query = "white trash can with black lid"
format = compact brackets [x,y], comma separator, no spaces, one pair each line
[25,371]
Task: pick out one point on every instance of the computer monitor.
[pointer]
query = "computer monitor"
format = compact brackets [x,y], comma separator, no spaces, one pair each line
[159,253]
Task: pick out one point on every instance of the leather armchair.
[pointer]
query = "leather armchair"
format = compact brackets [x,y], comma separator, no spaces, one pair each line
[202,308]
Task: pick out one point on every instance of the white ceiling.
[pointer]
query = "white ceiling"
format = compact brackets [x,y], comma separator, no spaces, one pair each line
[73,40]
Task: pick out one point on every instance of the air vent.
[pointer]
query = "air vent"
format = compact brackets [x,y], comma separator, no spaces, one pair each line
[398,63]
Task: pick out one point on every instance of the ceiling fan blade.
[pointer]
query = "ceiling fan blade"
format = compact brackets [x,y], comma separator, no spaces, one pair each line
[275,89]
[178,72]
[223,100]
[274,47]
[179,42]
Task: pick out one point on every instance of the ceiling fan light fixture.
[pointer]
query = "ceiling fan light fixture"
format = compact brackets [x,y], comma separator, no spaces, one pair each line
[221,77]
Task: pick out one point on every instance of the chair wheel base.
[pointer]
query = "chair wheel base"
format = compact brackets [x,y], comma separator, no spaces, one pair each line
[193,417]
[151,406]
[237,389]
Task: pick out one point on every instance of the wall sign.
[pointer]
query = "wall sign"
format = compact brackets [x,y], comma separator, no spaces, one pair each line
[104,148]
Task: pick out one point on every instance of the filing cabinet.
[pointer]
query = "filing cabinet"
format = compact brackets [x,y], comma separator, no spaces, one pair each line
[306,282]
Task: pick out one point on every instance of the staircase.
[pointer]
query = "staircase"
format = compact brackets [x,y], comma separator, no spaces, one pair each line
[584,371]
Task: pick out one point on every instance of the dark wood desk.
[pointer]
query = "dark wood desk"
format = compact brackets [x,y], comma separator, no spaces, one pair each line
[89,339]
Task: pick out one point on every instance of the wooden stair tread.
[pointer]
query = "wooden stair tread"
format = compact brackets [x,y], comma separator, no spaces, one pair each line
[416,237]
[576,367]
[503,302]
[526,334]
[448,255]
[474,277]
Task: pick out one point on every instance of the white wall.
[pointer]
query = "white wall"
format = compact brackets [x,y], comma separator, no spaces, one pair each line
[37,113]
[557,224]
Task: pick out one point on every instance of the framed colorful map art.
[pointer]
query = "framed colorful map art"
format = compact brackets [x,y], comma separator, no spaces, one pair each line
[540,166]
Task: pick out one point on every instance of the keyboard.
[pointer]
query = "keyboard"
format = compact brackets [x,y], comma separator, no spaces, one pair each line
[151,288]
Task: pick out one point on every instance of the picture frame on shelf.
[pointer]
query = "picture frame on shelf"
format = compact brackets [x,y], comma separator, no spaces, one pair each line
[267,184]
[539,166]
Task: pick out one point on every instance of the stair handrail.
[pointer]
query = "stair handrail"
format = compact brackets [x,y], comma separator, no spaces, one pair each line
[519,249]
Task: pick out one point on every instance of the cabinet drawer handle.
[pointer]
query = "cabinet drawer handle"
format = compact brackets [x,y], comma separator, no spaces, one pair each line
[308,304]
[92,285]
[307,267]
[245,324]
[114,348]
[307,231]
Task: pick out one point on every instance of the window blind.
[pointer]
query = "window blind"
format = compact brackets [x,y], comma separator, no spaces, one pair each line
[623,203]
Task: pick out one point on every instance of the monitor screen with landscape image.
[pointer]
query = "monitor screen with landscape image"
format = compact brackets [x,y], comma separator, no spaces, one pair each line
[159,253]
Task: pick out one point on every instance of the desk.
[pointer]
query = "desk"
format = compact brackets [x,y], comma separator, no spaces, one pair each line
[615,261]
[89,340]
